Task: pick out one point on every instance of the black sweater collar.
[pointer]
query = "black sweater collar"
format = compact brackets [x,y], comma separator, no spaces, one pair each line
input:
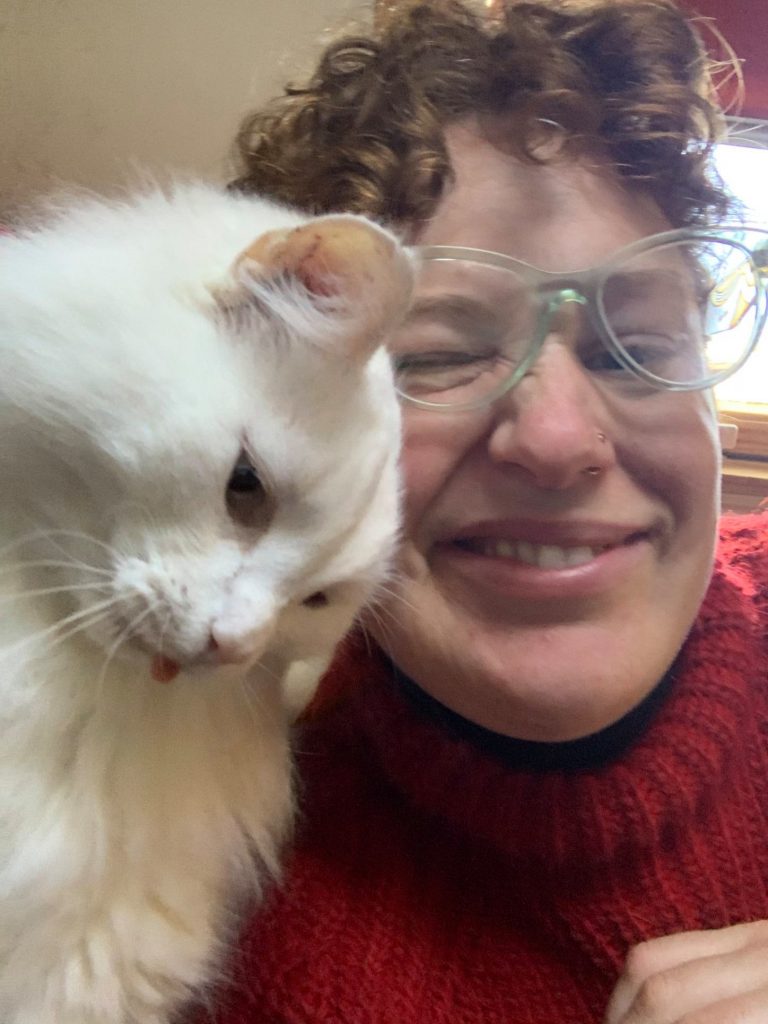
[571,756]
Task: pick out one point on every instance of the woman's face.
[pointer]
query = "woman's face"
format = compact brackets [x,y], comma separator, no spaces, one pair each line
[560,637]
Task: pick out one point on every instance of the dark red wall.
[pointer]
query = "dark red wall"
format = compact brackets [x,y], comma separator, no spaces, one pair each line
[744,23]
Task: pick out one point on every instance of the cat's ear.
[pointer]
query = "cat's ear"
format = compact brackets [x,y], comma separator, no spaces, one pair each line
[355,274]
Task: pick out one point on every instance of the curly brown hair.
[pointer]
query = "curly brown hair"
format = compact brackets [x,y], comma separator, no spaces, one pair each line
[627,78]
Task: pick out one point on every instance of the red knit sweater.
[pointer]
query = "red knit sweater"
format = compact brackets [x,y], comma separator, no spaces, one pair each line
[432,883]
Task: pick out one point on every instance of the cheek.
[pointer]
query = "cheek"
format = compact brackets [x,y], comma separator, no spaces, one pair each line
[692,458]
[675,458]
[434,445]
[422,478]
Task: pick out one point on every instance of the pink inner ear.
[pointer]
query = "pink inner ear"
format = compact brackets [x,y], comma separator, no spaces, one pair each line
[313,272]
[345,256]
[329,255]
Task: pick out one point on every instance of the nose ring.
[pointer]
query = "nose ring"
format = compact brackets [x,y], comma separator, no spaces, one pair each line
[601,436]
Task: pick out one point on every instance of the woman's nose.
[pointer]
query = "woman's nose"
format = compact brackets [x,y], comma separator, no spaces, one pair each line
[553,423]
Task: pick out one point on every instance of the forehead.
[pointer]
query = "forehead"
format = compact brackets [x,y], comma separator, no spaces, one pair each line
[562,215]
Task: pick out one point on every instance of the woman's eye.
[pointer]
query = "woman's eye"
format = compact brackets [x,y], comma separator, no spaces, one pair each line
[434,360]
[246,495]
[443,369]
[601,361]
[651,351]
[659,352]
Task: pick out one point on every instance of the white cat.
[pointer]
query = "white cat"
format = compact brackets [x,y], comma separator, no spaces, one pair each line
[198,445]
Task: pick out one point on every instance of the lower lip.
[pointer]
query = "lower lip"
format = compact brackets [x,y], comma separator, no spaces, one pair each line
[513,579]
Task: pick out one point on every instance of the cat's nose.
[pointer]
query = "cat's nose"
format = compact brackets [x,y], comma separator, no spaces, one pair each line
[232,646]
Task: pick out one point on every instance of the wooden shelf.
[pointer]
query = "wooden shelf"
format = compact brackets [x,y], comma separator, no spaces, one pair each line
[745,484]
[752,421]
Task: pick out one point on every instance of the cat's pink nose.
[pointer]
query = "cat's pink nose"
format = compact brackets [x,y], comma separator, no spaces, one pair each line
[235,647]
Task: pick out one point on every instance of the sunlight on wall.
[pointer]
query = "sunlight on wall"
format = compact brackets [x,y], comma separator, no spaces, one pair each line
[744,169]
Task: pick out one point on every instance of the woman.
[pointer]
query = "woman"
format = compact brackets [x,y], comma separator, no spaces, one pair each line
[535,791]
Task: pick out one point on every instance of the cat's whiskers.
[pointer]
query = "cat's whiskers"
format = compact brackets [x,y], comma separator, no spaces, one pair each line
[248,694]
[383,619]
[69,561]
[78,561]
[79,535]
[85,567]
[49,563]
[79,627]
[163,630]
[251,693]
[18,595]
[267,670]
[42,534]
[388,590]
[92,614]
[380,613]
[372,644]
[18,542]
[124,635]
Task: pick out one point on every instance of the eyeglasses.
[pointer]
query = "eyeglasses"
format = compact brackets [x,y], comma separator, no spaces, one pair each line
[678,311]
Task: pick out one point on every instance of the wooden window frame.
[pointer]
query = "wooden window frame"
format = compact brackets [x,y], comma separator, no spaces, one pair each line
[745,461]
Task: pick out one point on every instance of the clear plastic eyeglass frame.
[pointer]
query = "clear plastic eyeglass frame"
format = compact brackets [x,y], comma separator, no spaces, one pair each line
[587,288]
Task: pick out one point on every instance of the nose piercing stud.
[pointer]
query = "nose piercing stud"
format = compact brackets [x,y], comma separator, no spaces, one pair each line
[595,470]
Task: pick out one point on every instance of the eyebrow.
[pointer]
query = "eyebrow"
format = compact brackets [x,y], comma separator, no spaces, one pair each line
[455,310]
[638,284]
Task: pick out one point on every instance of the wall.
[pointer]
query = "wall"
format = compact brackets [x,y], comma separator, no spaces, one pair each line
[92,88]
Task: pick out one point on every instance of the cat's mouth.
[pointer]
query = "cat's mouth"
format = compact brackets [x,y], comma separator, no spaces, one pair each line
[168,655]
[163,667]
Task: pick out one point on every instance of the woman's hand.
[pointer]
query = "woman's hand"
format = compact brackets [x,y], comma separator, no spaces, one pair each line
[710,977]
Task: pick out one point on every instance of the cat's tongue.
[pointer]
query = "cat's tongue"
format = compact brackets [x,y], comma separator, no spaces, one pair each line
[164,669]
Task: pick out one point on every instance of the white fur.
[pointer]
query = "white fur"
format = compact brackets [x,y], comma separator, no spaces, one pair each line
[135,815]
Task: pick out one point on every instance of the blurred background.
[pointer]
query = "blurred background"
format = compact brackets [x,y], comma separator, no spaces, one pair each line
[91,88]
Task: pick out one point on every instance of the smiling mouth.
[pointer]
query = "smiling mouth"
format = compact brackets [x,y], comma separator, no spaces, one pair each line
[542,556]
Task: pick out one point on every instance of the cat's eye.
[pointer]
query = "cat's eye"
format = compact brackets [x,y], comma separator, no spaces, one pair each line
[246,496]
[317,600]
[244,480]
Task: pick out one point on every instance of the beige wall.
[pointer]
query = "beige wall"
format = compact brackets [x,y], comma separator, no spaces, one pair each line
[90,89]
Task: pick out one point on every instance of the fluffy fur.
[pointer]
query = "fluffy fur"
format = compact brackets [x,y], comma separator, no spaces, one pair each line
[198,444]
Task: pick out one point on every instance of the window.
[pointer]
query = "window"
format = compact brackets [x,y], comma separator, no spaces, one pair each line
[743,399]
[744,169]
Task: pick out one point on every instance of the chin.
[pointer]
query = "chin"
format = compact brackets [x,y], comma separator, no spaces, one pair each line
[545,683]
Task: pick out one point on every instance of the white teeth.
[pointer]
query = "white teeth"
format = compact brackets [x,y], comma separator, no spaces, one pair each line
[545,556]
[526,552]
[551,557]
[580,556]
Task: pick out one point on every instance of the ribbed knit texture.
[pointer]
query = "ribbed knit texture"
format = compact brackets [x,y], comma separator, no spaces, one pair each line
[432,884]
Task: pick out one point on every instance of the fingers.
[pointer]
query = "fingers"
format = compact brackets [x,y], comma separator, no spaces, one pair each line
[692,977]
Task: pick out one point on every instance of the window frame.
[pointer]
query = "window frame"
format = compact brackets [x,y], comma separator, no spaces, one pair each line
[745,461]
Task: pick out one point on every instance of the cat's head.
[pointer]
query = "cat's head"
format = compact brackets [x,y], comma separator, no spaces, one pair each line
[200,423]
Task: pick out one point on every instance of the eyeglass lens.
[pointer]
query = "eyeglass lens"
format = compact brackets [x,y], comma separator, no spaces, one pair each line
[683,313]
[678,314]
